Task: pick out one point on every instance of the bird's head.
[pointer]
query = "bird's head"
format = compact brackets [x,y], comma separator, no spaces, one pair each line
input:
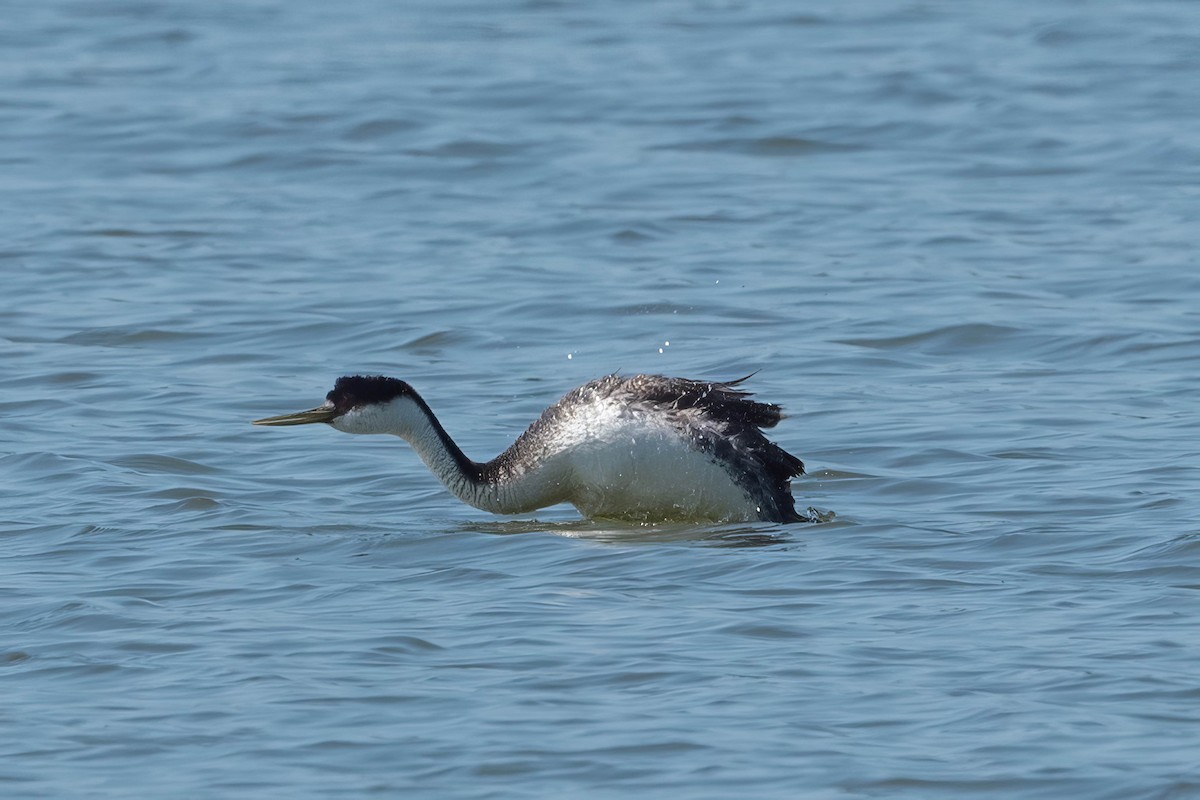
[358,404]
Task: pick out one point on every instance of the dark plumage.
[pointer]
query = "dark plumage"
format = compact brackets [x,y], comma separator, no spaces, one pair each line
[350,391]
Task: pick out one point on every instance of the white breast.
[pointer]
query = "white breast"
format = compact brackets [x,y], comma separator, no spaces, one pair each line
[634,464]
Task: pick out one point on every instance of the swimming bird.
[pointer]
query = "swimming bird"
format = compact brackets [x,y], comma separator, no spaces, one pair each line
[642,447]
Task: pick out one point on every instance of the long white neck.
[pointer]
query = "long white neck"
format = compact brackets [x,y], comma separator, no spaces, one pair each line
[489,486]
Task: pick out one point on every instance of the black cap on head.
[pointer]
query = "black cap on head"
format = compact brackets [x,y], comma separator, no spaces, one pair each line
[352,391]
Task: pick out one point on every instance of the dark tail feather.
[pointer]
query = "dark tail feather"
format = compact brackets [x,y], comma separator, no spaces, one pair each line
[782,463]
[727,402]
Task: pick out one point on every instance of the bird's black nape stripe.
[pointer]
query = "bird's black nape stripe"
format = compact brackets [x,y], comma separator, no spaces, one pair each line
[353,391]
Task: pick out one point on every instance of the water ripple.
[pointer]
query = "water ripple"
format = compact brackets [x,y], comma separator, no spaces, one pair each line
[957,247]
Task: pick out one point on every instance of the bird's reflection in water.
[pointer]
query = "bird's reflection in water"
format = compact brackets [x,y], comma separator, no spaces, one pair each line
[621,532]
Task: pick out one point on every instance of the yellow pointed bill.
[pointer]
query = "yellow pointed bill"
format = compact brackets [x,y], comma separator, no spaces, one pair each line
[319,414]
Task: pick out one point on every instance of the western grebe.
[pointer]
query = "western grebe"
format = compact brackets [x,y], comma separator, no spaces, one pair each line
[643,447]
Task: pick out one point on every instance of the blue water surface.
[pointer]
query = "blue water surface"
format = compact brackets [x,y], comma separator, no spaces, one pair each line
[956,241]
